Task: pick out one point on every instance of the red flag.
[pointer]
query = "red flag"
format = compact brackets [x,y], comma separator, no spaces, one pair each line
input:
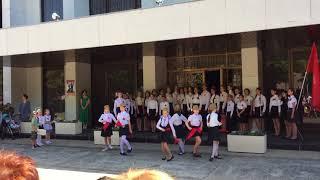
[119,124]
[314,68]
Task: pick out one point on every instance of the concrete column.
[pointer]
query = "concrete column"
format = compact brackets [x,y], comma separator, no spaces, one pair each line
[154,68]
[75,8]
[5,13]
[251,61]
[7,87]
[81,73]
[20,79]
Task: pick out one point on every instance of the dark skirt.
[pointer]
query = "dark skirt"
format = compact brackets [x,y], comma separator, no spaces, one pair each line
[152,114]
[213,134]
[33,135]
[248,111]
[171,108]
[124,131]
[221,108]
[180,131]
[165,136]
[185,109]
[258,112]
[140,110]
[243,118]
[107,132]
[289,119]
[274,113]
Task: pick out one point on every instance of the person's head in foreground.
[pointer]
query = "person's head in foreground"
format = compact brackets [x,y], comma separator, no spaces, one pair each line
[17,167]
[142,174]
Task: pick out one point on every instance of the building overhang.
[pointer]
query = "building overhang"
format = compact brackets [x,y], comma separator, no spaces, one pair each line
[194,19]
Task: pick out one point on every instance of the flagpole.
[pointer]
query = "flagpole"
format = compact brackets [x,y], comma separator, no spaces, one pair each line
[302,88]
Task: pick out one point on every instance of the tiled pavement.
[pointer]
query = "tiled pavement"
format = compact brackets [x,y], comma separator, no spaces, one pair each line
[73,155]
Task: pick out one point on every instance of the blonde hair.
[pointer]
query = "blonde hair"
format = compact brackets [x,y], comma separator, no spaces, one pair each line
[143,174]
[165,110]
[177,108]
[212,107]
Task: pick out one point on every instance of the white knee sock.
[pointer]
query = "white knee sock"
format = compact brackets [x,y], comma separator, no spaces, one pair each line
[181,146]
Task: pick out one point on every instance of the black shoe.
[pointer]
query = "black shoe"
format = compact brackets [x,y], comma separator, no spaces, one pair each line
[211,159]
[37,145]
[163,159]
[170,158]
[123,154]
[129,150]
[218,157]
[196,155]
[181,153]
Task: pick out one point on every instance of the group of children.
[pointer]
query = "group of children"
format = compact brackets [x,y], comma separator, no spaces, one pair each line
[177,125]
[40,122]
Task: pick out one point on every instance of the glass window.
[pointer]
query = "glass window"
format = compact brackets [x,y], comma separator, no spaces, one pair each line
[106,6]
[53,82]
[50,6]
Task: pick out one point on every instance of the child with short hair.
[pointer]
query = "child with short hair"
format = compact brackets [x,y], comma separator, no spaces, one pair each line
[195,129]
[34,127]
[47,125]
[123,121]
[213,131]
[106,119]
[178,120]
[41,121]
[165,125]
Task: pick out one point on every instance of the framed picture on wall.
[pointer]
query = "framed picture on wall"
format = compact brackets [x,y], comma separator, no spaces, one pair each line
[70,87]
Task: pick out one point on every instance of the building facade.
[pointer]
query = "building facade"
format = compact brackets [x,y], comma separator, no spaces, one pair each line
[106,45]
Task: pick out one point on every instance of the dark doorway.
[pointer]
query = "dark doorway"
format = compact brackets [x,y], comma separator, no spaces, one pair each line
[113,68]
[213,79]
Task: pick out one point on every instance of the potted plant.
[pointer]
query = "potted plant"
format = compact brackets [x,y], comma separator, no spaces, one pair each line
[247,142]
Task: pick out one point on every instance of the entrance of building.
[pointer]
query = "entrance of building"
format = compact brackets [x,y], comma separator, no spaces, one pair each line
[212,79]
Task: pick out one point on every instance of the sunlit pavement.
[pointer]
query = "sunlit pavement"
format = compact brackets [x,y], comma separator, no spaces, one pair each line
[72,159]
[53,174]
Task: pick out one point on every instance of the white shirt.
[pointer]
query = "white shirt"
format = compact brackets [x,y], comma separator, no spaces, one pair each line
[195,120]
[164,122]
[195,99]
[164,104]
[42,120]
[127,102]
[152,104]
[259,101]
[189,100]
[241,105]
[177,119]
[47,119]
[139,101]
[223,97]
[107,118]
[169,97]
[292,101]
[230,107]
[124,118]
[117,104]
[248,100]
[237,98]
[275,101]
[146,100]
[215,99]
[175,97]
[181,99]
[205,99]
[212,120]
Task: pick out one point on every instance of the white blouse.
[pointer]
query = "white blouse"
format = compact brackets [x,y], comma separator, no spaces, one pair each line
[178,119]
[195,120]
